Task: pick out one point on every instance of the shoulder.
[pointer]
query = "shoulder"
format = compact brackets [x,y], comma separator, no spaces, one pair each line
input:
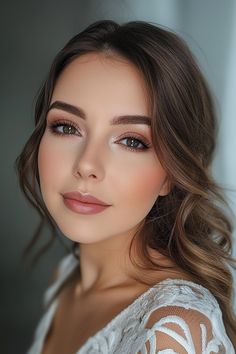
[183,317]
[184,294]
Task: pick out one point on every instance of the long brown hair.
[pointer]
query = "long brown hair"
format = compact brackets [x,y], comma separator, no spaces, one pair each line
[190,224]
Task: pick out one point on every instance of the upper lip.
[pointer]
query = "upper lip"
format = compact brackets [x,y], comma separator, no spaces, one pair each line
[83,198]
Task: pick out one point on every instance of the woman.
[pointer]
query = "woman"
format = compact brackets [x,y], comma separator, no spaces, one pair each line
[123,141]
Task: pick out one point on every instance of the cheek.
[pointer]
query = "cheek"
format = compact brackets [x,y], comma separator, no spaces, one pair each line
[141,183]
[150,183]
[51,164]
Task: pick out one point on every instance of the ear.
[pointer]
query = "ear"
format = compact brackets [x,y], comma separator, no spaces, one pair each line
[166,188]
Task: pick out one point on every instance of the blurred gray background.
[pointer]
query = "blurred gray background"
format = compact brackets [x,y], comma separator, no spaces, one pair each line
[32,32]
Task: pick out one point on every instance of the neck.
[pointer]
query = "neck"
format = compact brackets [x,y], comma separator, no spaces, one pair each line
[105,264]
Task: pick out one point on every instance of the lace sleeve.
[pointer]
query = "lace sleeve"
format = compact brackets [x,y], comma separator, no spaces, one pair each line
[176,330]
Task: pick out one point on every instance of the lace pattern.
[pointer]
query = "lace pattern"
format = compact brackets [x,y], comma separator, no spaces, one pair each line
[129,331]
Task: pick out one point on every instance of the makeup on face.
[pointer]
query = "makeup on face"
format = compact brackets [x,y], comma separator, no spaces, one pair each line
[135,140]
[83,203]
[97,143]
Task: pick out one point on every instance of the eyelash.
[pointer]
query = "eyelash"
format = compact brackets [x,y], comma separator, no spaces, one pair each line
[56,124]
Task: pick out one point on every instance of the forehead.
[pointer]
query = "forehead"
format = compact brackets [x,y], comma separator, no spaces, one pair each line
[102,78]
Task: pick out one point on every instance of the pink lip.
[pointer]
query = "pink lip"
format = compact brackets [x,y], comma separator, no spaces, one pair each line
[83,204]
[83,198]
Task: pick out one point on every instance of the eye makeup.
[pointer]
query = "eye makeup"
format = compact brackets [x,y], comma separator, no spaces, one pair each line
[70,128]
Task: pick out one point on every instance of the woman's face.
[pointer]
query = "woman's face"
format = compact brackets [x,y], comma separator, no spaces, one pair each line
[96,157]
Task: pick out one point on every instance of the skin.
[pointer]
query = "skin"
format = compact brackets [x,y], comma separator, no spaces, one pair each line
[98,162]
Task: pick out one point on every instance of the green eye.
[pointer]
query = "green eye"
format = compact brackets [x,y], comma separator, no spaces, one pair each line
[133,142]
[66,128]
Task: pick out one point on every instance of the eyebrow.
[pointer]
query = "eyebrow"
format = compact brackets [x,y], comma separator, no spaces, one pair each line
[124,119]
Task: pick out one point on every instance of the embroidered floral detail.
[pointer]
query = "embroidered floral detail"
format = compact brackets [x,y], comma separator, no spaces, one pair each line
[127,332]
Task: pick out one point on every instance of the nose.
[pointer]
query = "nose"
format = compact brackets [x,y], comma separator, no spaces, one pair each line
[89,162]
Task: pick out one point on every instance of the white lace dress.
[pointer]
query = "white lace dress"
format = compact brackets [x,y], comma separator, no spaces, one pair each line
[174,316]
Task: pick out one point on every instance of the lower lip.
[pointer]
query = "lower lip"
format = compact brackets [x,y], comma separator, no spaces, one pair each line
[84,208]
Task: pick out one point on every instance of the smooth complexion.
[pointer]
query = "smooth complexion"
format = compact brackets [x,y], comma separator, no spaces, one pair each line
[93,156]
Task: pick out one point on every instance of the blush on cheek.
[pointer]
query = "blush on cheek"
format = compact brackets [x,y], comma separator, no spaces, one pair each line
[47,163]
[44,161]
[151,183]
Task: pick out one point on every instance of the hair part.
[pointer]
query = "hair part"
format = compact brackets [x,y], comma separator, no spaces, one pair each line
[190,224]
